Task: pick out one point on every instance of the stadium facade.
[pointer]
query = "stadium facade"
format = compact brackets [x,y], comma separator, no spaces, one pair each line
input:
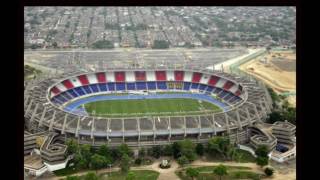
[248,103]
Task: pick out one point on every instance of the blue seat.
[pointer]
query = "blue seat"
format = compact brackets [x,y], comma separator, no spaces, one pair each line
[94,88]
[55,101]
[131,86]
[103,87]
[186,86]
[221,95]
[66,96]
[162,85]
[151,85]
[120,86]
[111,86]
[80,91]
[141,85]
[62,99]
[202,87]
[194,86]
[217,90]
[73,93]
[87,89]
[228,96]
[209,89]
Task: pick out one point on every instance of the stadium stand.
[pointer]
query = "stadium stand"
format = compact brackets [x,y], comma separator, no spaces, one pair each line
[196,77]
[228,85]
[67,84]
[120,86]
[140,75]
[111,86]
[131,86]
[80,91]
[120,76]
[151,76]
[186,86]
[87,89]
[55,90]
[178,75]
[161,85]
[83,79]
[103,87]
[101,77]
[213,80]
[141,85]
[161,76]
[151,85]
[94,88]
[194,86]
[220,83]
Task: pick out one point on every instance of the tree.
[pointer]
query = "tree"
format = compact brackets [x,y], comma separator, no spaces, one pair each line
[98,161]
[220,170]
[191,172]
[167,150]
[91,176]
[72,178]
[142,152]
[131,176]
[105,151]
[219,145]
[73,146]
[262,155]
[262,161]
[176,150]
[262,151]
[200,149]
[125,163]
[187,149]
[269,171]
[124,149]
[156,151]
[183,160]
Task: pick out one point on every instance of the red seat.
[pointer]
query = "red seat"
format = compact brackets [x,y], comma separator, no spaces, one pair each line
[213,80]
[238,92]
[83,79]
[196,77]
[178,75]
[228,85]
[161,76]
[67,83]
[55,90]
[120,76]
[101,77]
[140,75]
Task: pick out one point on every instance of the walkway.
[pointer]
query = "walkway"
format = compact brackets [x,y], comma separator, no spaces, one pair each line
[169,174]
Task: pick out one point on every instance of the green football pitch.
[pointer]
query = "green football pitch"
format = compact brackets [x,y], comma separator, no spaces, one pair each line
[149,106]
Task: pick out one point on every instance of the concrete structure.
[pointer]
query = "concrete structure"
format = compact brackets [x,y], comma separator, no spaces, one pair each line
[149,130]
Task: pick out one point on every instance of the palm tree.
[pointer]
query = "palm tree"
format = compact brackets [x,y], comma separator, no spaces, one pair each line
[220,170]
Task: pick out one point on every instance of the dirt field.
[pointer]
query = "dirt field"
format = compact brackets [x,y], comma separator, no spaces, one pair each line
[276,69]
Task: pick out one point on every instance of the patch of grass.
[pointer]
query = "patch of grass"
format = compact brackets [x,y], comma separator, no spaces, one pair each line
[130,107]
[139,174]
[234,172]
[66,171]
[244,156]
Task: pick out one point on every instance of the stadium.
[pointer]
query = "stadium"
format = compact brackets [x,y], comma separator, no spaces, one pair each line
[146,107]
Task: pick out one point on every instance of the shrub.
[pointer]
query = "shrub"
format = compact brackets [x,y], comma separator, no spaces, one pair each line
[269,171]
[183,160]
